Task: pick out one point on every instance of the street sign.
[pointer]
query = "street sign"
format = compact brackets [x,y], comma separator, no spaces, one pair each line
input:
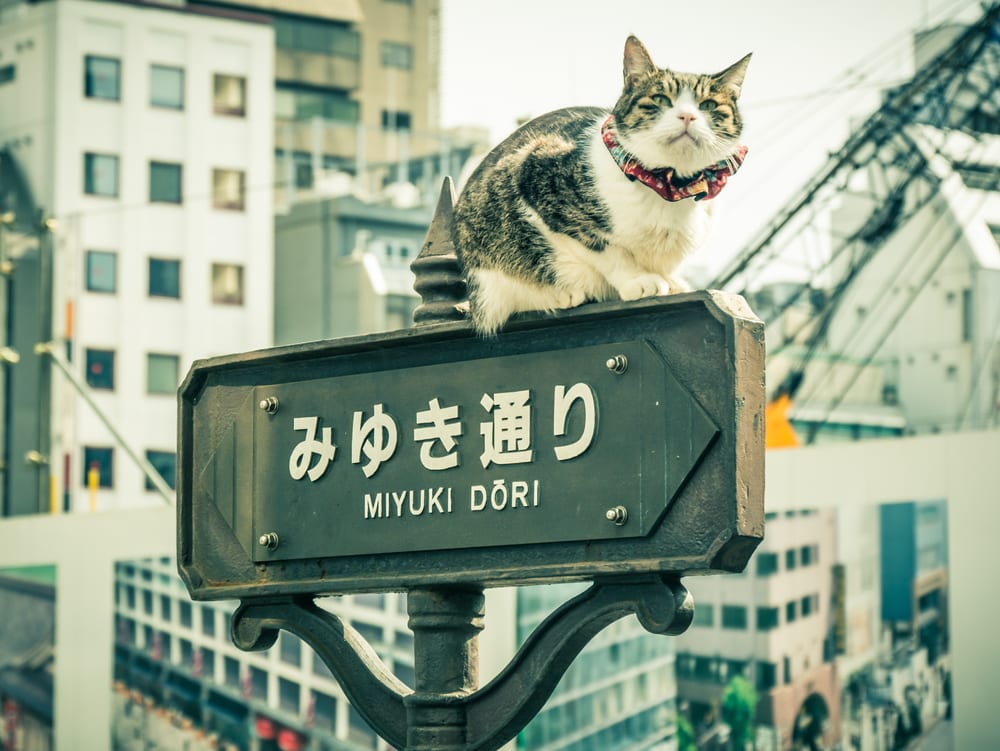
[611,439]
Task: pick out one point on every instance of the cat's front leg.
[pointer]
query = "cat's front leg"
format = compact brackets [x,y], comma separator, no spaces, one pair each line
[641,285]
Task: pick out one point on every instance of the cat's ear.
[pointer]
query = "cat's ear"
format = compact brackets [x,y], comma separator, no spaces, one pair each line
[637,61]
[732,77]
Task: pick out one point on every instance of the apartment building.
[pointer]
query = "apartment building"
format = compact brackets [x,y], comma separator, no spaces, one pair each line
[770,625]
[144,134]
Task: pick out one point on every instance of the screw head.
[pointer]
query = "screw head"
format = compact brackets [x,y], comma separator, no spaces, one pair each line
[269,405]
[617,364]
[268,540]
[617,515]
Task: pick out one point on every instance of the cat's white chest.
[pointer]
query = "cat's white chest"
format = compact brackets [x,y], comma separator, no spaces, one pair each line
[643,222]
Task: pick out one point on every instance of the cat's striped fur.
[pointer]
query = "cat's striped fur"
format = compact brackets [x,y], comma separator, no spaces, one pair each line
[549,221]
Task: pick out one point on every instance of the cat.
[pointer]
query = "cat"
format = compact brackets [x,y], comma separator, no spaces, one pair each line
[585,204]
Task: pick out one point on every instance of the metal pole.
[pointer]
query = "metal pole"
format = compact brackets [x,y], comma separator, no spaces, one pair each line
[446,623]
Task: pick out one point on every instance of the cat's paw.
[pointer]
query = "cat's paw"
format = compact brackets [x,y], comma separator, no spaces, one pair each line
[644,285]
[678,285]
[565,299]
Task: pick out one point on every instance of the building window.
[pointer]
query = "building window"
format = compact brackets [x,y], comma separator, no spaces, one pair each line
[205,663]
[704,615]
[232,671]
[229,95]
[227,284]
[102,77]
[258,683]
[166,87]
[162,373]
[164,462]
[810,605]
[767,618]
[101,271]
[228,189]
[165,607]
[164,278]
[302,103]
[810,555]
[100,368]
[208,620]
[397,55]
[790,559]
[290,649]
[100,175]
[791,611]
[7,73]
[315,35]
[288,695]
[324,711]
[101,460]
[767,564]
[395,120]
[734,616]
[766,675]
[968,315]
[164,182]
[184,613]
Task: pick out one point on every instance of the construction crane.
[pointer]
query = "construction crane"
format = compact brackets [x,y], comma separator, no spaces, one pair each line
[889,177]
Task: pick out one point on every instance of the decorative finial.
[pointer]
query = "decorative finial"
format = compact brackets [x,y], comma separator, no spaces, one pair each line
[440,279]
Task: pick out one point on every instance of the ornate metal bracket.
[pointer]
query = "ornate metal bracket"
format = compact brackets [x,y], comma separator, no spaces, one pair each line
[446,712]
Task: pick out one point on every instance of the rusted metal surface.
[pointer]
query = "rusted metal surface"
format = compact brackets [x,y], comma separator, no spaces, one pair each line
[698,513]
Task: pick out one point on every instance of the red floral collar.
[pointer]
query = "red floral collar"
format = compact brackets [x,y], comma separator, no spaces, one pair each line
[663,181]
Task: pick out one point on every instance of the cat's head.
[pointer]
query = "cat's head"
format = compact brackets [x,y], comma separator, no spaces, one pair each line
[687,121]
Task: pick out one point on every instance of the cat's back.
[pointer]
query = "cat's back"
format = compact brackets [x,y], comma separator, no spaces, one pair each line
[556,134]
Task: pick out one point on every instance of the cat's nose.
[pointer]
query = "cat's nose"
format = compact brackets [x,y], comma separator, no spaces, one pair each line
[686,117]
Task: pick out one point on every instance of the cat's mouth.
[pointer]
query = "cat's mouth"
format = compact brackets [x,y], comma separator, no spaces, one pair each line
[685,137]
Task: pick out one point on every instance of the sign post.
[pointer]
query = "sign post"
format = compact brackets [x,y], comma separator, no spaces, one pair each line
[617,443]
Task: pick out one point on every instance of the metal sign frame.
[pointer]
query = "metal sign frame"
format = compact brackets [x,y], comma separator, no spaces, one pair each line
[710,519]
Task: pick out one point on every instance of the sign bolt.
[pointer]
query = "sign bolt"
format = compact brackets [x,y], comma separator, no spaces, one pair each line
[618,515]
[268,540]
[617,364]
[269,405]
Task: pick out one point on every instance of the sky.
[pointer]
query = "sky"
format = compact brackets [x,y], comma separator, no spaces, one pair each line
[817,66]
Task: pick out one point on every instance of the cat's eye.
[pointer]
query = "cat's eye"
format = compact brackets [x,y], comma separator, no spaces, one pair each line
[708,105]
[654,102]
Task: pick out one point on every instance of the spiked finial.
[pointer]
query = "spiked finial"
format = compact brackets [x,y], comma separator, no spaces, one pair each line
[439,275]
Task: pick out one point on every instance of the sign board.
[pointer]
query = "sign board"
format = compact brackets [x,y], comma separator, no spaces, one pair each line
[611,439]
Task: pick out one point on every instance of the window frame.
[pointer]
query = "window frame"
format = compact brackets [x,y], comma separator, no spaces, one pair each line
[105,480]
[90,79]
[154,455]
[163,357]
[727,614]
[94,382]
[154,165]
[219,199]
[163,104]
[90,166]
[150,276]
[89,271]
[216,270]
[396,55]
[223,109]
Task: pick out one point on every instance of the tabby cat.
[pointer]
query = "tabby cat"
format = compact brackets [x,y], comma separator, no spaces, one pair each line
[583,204]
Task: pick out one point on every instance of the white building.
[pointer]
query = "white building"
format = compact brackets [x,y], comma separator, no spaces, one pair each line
[769,625]
[146,133]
